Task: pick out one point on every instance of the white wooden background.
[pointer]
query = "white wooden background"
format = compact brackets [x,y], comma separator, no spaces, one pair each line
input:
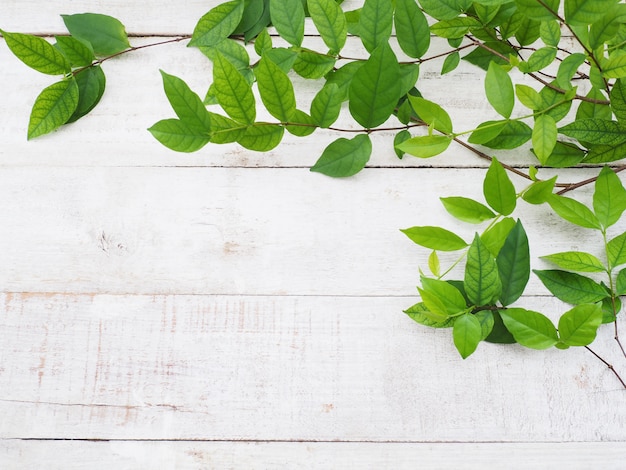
[229,309]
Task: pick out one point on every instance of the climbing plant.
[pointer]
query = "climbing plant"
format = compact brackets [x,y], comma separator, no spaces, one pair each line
[574,101]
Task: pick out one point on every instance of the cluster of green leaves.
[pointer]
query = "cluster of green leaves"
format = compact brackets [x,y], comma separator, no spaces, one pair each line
[73,57]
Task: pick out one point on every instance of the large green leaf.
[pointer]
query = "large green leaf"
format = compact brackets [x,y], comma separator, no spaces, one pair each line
[571,287]
[91,84]
[330,21]
[498,189]
[466,333]
[186,104]
[37,53]
[288,19]
[326,105]
[573,211]
[529,328]
[233,91]
[262,136]
[53,107]
[177,135]
[578,326]
[578,261]
[344,157]
[412,29]
[276,90]
[78,51]
[482,282]
[609,197]
[585,12]
[514,265]
[499,90]
[375,88]
[467,210]
[375,23]
[435,238]
[217,24]
[106,34]
[596,131]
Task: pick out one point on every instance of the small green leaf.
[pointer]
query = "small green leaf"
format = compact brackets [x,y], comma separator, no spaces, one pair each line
[553,103]
[288,19]
[616,250]
[375,23]
[499,90]
[498,190]
[449,298]
[53,107]
[432,114]
[343,76]
[565,155]
[412,29]
[326,105]
[186,104]
[330,21]
[514,265]
[578,326]
[467,333]
[539,192]
[571,287]
[528,96]
[573,211]
[78,52]
[263,42]
[106,34]
[620,283]
[434,264]
[596,131]
[487,322]
[178,136]
[467,210]
[550,32]
[275,89]
[578,261]
[529,328]
[400,137]
[233,91]
[487,131]
[544,137]
[609,197]
[37,53]
[91,85]
[538,60]
[344,157]
[261,136]
[450,63]
[312,65]
[499,334]
[568,68]
[301,124]
[420,313]
[435,238]
[425,146]
[231,50]
[495,237]
[482,282]
[594,110]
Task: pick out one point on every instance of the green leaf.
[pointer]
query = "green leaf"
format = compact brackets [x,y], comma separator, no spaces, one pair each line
[512,135]
[482,57]
[514,265]
[449,299]
[412,29]
[375,23]
[544,137]
[330,21]
[263,42]
[499,90]
[344,157]
[262,136]
[482,282]
[487,322]
[420,313]
[530,329]
[91,84]
[433,263]
[177,135]
[224,130]
[467,333]
[565,155]
[568,68]
[450,63]
[615,66]
[550,32]
[487,131]
[620,283]
[425,146]
[605,29]
[375,88]
[498,190]
[609,197]
[435,238]
[573,211]
[409,73]
[554,104]
[301,124]
[326,105]
[616,250]
[233,91]
[528,96]
[618,99]
[539,192]
[284,58]
[263,22]
[37,53]
[585,12]
[538,60]
[495,237]
[588,110]
[275,89]
[455,27]
[467,210]
[432,114]
[578,326]
[53,107]
[528,31]
[78,52]
[186,104]
[343,76]
[252,14]
[571,287]
[576,261]
[288,19]
[445,9]
[606,153]
[546,10]
[106,34]
[400,137]
[596,131]
[609,307]
[231,50]
[312,65]
[499,334]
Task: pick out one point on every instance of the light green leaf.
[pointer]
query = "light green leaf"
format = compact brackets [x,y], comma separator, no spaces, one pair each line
[312,65]
[568,68]
[435,238]
[546,10]
[467,210]
[425,146]
[106,34]
[578,261]
[550,32]
[514,265]
[301,124]
[578,326]
[284,58]
[573,211]
[616,249]
[432,114]
[420,313]
[400,137]
[326,105]
[233,92]
[498,190]
[499,90]
[450,63]
[467,333]
[186,104]
[288,19]
[609,197]
[412,29]
[455,27]
[487,322]
[487,131]
[224,130]
[79,52]
[538,60]
[344,157]
[433,263]
[53,107]
[375,88]
[91,84]
[482,282]
[495,237]
[37,53]
[512,135]
[585,12]
[231,50]
[571,287]
[445,9]
[528,96]
[178,136]
[275,89]
[330,21]
[375,23]
[615,66]
[449,298]
[263,42]
[261,136]
[544,137]
[539,192]
[529,328]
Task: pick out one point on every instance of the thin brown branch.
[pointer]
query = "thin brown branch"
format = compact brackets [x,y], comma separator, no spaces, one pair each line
[580,184]
[610,366]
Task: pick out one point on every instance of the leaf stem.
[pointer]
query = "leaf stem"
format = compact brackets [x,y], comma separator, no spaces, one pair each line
[610,366]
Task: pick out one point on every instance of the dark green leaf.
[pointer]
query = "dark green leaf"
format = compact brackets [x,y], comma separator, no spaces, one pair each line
[420,313]
[78,52]
[91,84]
[375,23]
[409,73]
[178,136]
[590,110]
[596,131]
[512,135]
[573,211]
[565,155]
[106,34]
[606,153]
[482,57]
[288,19]
[578,326]
[435,238]
[262,136]
[498,190]
[37,53]
[554,103]
[482,282]
[529,328]
[344,157]
[411,28]
[527,31]
[618,99]
[309,64]
[571,287]
[499,334]
[252,13]
[53,107]
[275,89]
[576,261]
[467,210]
[609,197]
[514,265]
[233,91]
[330,21]
[467,333]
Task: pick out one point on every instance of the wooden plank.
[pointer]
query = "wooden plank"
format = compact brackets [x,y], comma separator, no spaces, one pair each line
[237,231]
[69,455]
[285,368]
